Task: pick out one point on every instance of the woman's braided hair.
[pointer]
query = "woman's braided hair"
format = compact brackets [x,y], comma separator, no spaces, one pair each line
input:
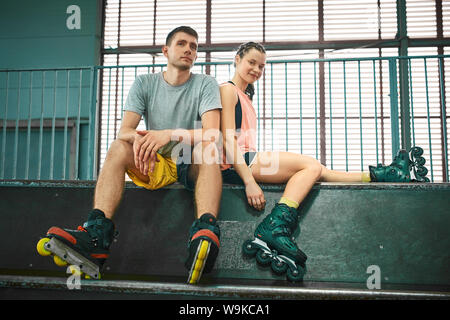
[242,51]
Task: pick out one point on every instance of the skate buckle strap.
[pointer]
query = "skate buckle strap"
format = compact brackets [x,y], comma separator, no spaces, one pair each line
[288,217]
[206,233]
[206,221]
[281,231]
[97,233]
[89,223]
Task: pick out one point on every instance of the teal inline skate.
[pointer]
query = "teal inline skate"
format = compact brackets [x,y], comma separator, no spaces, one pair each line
[273,243]
[406,167]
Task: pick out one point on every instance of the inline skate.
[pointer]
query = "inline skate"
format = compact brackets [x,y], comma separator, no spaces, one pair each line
[203,247]
[273,244]
[85,250]
[406,167]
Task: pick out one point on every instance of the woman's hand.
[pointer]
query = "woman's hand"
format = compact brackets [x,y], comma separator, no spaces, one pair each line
[255,196]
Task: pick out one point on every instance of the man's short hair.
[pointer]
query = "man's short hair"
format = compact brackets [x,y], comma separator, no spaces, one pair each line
[184,29]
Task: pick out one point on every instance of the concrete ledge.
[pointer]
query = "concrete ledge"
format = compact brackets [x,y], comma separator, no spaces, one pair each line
[267,187]
[345,229]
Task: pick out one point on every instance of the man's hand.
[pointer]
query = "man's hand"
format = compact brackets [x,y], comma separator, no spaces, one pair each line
[145,146]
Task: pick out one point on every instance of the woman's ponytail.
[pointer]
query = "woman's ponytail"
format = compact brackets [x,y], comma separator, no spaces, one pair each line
[250,91]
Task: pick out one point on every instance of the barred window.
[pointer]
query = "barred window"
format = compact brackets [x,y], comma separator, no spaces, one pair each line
[336,110]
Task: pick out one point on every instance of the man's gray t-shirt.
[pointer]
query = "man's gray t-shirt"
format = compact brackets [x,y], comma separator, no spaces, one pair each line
[172,107]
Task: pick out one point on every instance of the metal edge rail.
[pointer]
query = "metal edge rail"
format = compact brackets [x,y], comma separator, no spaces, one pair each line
[268,187]
[219,291]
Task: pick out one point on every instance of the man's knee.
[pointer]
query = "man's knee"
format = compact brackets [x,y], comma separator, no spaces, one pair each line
[119,150]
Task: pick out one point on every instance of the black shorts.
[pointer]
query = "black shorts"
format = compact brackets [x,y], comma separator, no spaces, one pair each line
[228,176]
[231,176]
[183,176]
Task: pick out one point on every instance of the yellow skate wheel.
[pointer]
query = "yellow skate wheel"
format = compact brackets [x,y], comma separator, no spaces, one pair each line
[41,247]
[194,277]
[59,262]
[88,277]
[203,250]
[199,265]
[75,270]
[199,262]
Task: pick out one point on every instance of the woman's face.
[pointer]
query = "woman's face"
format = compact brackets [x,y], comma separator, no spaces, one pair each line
[251,66]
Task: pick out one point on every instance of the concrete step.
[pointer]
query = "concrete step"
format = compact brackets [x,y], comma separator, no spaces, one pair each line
[350,232]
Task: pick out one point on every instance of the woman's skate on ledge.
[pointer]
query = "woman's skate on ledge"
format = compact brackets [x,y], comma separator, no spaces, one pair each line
[406,167]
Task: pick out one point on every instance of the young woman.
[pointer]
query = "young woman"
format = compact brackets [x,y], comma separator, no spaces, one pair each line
[243,164]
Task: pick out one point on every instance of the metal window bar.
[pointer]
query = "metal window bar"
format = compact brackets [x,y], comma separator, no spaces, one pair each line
[45,121]
[286,115]
[57,103]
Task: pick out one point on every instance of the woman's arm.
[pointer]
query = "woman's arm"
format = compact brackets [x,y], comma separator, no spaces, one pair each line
[229,99]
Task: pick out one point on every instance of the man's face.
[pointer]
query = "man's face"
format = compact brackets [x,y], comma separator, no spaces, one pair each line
[182,51]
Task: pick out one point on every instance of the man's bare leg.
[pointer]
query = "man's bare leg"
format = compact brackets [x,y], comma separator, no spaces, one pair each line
[205,171]
[208,190]
[89,245]
[111,181]
[204,240]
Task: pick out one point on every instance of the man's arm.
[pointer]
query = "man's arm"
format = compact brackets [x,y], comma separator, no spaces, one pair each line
[210,128]
[155,139]
[127,131]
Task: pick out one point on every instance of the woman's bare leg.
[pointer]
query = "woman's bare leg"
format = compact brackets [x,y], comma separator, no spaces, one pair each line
[340,176]
[300,172]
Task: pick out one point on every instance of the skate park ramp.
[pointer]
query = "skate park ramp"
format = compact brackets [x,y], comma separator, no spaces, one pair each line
[363,241]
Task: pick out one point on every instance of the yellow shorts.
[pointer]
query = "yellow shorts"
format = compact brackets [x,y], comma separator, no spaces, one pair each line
[164,173]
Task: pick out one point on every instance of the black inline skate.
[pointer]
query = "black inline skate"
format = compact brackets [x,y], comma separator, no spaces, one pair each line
[203,247]
[85,250]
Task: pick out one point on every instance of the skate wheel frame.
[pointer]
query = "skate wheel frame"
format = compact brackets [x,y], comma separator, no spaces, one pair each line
[199,262]
[279,264]
[64,255]
[417,164]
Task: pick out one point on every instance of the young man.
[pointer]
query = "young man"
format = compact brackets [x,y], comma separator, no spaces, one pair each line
[169,101]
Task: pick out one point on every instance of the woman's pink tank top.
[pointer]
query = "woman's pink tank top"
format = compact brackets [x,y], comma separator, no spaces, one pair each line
[246,136]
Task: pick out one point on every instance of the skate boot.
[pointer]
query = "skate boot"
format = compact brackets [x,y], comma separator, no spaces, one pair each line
[406,167]
[203,247]
[85,249]
[273,243]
